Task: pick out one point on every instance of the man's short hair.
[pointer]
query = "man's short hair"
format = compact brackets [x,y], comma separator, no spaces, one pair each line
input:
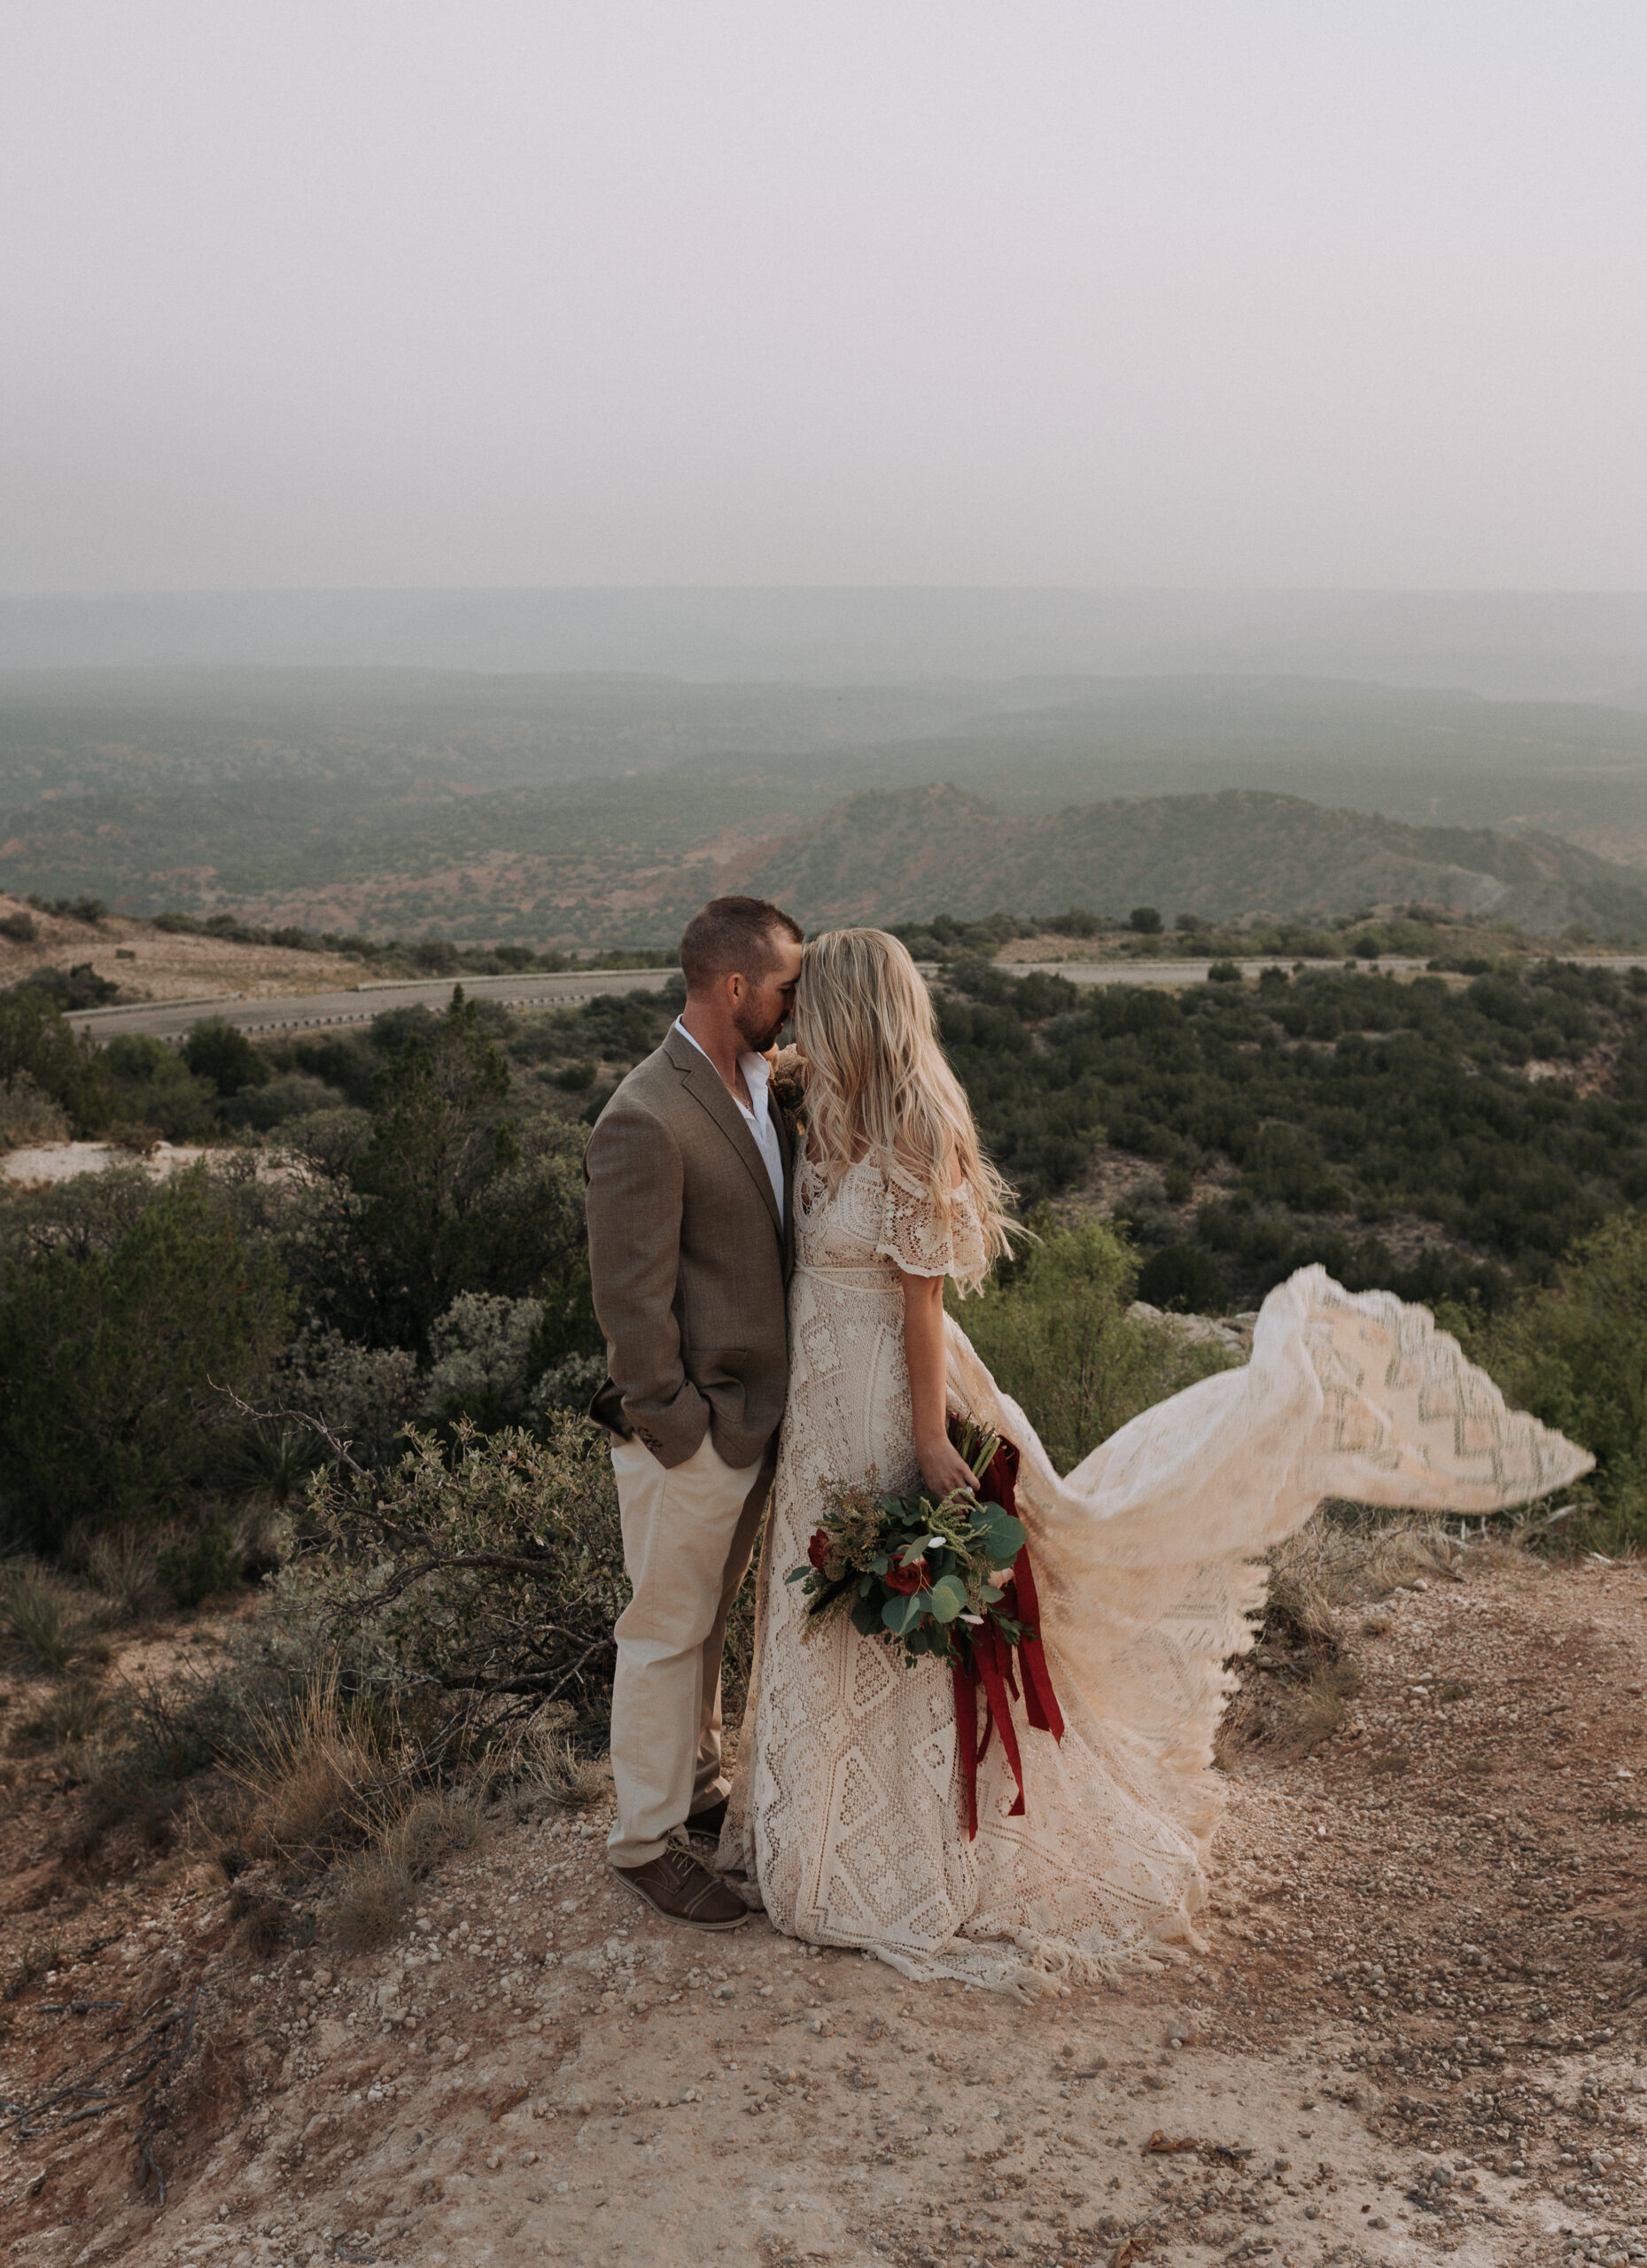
[734,936]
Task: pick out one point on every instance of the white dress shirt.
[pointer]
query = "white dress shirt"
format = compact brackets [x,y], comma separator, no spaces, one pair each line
[756,1073]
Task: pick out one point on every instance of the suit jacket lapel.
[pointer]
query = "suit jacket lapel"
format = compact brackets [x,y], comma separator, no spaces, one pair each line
[705,1085]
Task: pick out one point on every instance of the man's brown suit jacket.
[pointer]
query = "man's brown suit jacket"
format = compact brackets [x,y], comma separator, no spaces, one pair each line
[690,1255]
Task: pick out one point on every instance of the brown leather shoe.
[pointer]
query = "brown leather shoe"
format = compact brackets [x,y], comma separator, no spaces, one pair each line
[677,1886]
[709,1822]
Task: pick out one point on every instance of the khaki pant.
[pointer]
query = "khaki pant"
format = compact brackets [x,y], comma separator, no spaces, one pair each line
[688,1536]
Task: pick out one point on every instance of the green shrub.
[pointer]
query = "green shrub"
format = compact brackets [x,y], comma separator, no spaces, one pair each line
[364,1396]
[1054,1331]
[156,1088]
[220,1052]
[67,989]
[277,1101]
[459,1198]
[114,1364]
[202,1566]
[490,1573]
[482,1365]
[28,1114]
[37,1043]
[1575,1354]
[1184,1280]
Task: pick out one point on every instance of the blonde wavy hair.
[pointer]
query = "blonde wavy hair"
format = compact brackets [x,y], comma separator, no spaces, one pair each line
[877,1081]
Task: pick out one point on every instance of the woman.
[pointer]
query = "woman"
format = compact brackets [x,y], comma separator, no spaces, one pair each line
[848,1810]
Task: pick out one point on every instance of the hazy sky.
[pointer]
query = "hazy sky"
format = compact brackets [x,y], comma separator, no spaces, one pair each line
[1179,292]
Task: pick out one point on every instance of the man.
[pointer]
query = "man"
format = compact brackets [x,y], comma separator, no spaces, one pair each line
[688,1173]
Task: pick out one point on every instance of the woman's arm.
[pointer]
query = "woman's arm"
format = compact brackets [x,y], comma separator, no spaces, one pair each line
[943,1466]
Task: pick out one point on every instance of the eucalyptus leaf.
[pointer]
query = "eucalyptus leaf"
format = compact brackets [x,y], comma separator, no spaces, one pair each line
[947,1598]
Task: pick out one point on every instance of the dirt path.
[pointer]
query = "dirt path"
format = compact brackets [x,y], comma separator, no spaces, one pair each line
[1417,2029]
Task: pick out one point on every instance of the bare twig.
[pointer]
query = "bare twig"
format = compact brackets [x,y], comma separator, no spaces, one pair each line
[315,1425]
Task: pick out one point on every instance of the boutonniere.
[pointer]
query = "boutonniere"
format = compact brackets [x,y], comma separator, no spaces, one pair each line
[788,1088]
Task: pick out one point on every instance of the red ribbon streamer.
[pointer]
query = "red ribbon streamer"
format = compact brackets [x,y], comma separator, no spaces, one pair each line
[992,1663]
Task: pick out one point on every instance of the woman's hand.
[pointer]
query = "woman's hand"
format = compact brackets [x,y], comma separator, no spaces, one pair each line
[943,1467]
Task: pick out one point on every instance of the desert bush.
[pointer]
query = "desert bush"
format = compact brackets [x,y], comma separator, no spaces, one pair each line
[1321,1704]
[363,1396]
[36,1039]
[489,1574]
[153,1087]
[1054,1331]
[481,1357]
[1575,1354]
[1183,1279]
[274,1458]
[160,1738]
[220,1052]
[569,1385]
[28,1113]
[460,1199]
[115,1366]
[91,1212]
[280,1102]
[200,1566]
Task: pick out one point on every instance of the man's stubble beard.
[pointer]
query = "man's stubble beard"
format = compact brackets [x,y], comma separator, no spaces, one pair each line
[758,1037]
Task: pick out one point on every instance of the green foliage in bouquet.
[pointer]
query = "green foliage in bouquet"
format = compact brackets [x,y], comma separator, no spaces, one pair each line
[920,1574]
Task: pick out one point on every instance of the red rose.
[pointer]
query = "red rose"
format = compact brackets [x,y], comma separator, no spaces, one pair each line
[916,1577]
[818,1549]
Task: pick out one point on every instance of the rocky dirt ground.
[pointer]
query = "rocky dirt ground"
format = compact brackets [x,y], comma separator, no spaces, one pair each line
[1417,2031]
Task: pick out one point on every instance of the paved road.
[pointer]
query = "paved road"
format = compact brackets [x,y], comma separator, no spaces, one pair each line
[172,1018]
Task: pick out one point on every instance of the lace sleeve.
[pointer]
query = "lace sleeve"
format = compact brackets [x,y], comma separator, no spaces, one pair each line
[913,1237]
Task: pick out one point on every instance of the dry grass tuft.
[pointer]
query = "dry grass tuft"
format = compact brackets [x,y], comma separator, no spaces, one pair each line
[42,1617]
[1323,1705]
[74,1713]
[372,1901]
[337,1780]
[379,1885]
[323,1776]
[33,1962]
[124,1564]
[571,1781]
[1349,1554]
[263,1921]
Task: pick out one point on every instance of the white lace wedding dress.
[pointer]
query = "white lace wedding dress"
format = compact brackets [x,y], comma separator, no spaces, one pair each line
[848,1812]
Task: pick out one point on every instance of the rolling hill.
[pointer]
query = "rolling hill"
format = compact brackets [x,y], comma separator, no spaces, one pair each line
[904,855]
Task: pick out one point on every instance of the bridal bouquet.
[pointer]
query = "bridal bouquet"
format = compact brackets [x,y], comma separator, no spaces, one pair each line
[950,1580]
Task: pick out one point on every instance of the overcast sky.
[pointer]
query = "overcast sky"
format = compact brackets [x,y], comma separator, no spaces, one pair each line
[1178,292]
